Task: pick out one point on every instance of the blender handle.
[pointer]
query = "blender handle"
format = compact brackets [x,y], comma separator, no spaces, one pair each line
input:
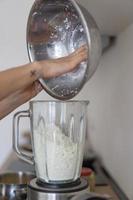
[16,120]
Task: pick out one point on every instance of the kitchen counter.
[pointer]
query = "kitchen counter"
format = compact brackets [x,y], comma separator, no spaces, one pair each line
[104,183]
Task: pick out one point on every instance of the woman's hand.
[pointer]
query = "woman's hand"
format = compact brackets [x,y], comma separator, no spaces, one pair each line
[57,67]
[22,77]
[20,84]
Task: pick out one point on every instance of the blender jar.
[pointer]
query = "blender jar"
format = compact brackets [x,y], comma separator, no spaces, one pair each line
[58,136]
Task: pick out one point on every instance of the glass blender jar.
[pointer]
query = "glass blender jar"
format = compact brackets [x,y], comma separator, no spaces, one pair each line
[58,136]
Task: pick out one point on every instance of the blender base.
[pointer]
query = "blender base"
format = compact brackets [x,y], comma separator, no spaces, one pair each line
[78,192]
[37,192]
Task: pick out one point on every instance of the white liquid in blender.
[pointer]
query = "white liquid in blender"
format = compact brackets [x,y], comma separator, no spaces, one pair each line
[55,154]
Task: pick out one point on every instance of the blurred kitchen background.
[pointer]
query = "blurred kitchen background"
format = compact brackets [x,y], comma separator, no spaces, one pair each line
[110,113]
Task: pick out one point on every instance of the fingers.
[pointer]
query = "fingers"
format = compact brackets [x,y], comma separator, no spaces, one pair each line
[57,67]
[80,50]
[82,54]
[37,88]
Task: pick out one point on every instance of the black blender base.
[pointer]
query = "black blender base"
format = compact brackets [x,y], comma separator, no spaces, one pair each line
[73,187]
[55,186]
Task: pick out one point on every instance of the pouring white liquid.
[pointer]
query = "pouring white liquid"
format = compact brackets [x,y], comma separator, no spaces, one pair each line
[55,154]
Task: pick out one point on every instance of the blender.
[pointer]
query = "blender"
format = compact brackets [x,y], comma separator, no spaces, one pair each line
[55,29]
[58,136]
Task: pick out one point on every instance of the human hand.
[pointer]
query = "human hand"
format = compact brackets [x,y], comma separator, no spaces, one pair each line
[56,67]
[13,95]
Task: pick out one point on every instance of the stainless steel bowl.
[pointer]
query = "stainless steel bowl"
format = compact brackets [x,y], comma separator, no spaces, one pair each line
[55,29]
[13,185]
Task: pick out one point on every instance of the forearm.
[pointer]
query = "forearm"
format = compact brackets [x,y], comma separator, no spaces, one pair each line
[7,105]
[18,98]
[18,78]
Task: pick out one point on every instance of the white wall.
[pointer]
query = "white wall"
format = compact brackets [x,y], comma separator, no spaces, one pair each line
[111,110]
[109,91]
[112,16]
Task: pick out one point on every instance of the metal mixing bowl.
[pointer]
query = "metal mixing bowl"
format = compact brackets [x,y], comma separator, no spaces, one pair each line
[55,29]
